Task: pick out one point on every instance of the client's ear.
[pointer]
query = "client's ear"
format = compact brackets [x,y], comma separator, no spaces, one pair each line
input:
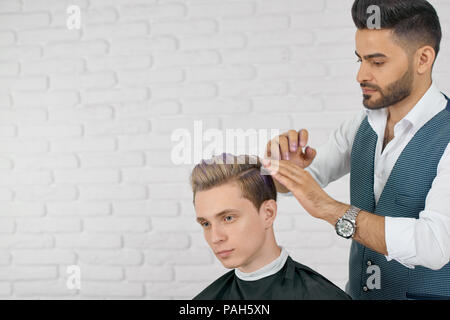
[268,212]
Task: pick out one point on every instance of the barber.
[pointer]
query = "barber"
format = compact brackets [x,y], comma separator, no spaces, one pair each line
[397,153]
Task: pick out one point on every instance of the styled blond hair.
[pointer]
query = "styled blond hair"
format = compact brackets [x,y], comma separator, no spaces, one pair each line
[243,170]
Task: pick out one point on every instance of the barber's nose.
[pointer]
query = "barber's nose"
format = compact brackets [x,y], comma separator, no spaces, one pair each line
[364,74]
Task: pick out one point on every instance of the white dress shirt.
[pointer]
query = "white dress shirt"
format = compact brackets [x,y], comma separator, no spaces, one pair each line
[268,270]
[424,241]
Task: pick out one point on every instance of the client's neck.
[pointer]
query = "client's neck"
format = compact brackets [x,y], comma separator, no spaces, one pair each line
[268,252]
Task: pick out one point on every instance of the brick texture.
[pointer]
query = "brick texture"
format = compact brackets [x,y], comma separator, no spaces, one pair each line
[86,118]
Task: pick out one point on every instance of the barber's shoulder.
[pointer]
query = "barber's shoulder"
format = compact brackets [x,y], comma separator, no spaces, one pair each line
[355,121]
[353,124]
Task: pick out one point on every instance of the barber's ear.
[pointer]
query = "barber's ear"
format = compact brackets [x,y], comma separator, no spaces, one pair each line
[426,57]
[268,212]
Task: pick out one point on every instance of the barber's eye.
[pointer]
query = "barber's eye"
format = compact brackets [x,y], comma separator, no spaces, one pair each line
[359,60]
[205,224]
[378,63]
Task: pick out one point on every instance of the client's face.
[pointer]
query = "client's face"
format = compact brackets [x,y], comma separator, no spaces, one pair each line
[232,226]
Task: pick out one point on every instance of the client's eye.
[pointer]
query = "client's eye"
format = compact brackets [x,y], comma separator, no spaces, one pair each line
[205,224]
[228,218]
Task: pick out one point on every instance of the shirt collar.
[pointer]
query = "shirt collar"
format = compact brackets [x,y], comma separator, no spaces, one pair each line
[265,271]
[431,103]
[427,107]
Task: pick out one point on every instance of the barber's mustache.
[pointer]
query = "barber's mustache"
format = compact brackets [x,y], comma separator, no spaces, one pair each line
[369,86]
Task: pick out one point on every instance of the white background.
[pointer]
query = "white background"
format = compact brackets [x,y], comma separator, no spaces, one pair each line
[86,117]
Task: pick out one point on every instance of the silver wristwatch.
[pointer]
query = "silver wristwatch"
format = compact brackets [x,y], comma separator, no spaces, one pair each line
[346,225]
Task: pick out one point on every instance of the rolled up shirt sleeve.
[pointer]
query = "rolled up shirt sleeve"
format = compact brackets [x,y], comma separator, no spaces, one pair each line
[424,241]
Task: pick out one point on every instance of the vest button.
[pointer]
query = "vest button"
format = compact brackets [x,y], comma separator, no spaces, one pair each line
[365,289]
[369,263]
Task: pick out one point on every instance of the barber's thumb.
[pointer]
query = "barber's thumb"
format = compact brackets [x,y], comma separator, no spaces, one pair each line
[310,153]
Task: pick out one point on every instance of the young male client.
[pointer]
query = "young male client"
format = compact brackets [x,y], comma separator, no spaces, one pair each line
[236,206]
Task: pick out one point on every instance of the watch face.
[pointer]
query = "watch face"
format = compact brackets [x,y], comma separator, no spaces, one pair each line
[345,228]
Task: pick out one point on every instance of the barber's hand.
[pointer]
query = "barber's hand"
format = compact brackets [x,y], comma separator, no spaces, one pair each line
[289,147]
[306,190]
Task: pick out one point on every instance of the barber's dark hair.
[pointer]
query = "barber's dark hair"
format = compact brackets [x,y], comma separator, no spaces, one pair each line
[413,21]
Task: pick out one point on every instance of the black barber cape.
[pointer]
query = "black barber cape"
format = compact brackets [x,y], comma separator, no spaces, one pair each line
[293,282]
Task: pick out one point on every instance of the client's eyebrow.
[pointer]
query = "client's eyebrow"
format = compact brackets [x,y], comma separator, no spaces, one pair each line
[200,219]
[373,55]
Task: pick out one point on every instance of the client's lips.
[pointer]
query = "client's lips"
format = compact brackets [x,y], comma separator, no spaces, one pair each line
[224,253]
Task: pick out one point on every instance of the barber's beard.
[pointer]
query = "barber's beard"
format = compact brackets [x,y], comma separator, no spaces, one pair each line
[392,94]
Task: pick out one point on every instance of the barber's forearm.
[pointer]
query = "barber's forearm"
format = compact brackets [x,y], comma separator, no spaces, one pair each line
[370,229]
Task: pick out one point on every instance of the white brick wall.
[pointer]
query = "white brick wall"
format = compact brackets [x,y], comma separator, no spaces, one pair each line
[85,123]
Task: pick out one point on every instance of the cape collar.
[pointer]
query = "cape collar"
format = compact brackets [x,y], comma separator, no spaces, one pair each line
[268,270]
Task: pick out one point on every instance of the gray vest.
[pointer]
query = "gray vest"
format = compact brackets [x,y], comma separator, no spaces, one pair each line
[403,196]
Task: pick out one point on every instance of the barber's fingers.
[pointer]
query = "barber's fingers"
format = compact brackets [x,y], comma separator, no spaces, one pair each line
[296,141]
[277,148]
[287,143]
[293,140]
[302,138]
[273,150]
[309,155]
[284,147]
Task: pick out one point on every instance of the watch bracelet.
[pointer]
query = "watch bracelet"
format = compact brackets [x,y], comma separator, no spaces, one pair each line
[351,213]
